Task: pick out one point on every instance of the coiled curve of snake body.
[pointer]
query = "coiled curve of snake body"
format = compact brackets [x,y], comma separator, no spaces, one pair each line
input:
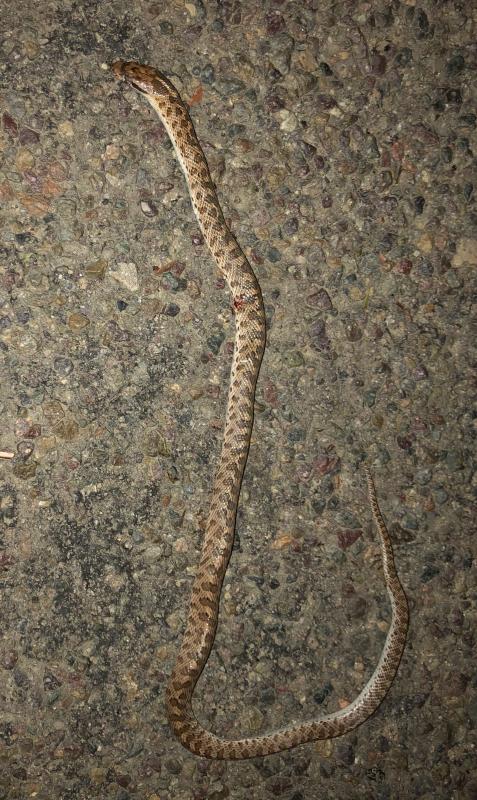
[219,534]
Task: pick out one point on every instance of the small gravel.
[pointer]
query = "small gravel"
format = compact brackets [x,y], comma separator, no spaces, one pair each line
[342,141]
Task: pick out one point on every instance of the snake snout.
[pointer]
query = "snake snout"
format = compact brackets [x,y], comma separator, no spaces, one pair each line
[117,69]
[131,72]
[143,78]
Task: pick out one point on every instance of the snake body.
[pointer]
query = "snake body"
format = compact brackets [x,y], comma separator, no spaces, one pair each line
[202,620]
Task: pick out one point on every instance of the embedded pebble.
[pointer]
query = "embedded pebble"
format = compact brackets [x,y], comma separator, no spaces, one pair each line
[125,273]
[64,366]
[148,208]
[25,471]
[466,253]
[78,321]
[156,445]
[97,268]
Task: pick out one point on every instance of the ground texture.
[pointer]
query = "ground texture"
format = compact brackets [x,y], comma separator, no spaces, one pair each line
[340,137]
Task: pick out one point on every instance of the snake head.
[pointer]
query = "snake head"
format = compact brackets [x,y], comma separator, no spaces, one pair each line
[141,77]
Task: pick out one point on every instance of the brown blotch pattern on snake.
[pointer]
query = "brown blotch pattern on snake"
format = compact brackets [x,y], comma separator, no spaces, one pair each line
[201,626]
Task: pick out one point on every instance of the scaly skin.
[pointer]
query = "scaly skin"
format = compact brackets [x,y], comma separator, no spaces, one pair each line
[219,534]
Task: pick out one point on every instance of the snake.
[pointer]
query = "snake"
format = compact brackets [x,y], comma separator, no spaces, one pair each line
[218,538]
